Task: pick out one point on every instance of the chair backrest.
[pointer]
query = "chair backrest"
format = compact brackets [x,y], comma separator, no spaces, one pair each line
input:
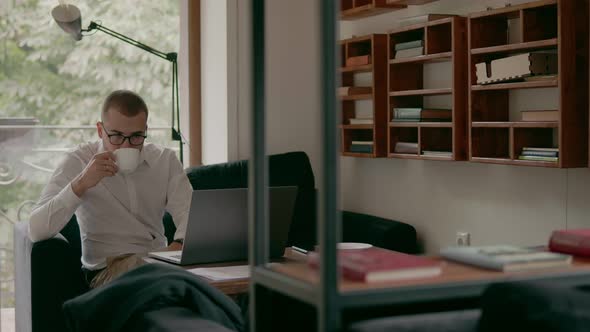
[286,169]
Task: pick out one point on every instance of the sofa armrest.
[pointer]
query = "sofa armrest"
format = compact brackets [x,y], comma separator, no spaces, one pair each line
[47,274]
[22,277]
[380,232]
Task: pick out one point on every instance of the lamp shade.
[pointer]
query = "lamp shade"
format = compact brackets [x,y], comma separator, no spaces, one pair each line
[69,19]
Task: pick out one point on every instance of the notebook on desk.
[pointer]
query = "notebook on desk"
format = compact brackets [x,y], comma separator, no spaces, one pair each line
[217,229]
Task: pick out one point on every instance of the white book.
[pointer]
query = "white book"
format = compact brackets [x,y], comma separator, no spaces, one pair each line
[358,121]
[506,257]
[362,142]
[223,273]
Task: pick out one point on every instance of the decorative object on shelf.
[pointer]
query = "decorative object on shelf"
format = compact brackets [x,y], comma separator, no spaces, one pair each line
[499,134]
[515,67]
[69,19]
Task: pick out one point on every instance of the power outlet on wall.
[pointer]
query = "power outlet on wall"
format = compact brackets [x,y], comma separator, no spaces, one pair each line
[463,239]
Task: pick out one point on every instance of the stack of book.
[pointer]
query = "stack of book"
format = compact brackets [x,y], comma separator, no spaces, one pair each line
[406,147]
[539,154]
[506,257]
[380,265]
[360,121]
[417,114]
[409,49]
[361,146]
[445,154]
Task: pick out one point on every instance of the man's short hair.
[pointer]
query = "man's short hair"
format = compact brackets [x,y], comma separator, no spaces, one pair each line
[125,102]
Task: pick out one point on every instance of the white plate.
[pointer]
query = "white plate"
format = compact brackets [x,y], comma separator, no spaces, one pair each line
[353,245]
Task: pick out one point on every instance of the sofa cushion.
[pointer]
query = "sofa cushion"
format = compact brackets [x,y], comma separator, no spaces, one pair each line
[449,321]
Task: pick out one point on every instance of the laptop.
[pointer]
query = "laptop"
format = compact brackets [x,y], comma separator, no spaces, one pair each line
[217,229]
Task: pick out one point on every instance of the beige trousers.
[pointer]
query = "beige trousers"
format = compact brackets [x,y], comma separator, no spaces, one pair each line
[116,266]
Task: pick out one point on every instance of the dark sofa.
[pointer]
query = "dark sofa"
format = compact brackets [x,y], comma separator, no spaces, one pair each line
[48,272]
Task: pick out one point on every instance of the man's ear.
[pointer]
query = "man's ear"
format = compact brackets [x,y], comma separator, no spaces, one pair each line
[99,129]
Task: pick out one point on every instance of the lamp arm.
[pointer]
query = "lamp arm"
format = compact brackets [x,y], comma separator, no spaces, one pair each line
[95,26]
[172,57]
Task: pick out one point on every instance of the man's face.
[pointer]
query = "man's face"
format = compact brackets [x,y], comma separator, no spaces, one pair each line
[115,123]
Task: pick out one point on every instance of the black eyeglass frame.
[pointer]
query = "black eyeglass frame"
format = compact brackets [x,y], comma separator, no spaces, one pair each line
[124,137]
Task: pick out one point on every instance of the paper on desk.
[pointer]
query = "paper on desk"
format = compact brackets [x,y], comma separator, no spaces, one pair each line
[222,273]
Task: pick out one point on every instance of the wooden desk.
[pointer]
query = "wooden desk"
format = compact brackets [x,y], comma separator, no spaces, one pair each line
[231,288]
[456,281]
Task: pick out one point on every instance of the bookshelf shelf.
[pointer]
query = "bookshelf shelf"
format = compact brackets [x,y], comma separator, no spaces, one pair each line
[359,69]
[371,52]
[496,134]
[421,92]
[439,57]
[357,97]
[440,40]
[528,46]
[515,85]
[521,124]
[357,126]
[357,9]
[421,124]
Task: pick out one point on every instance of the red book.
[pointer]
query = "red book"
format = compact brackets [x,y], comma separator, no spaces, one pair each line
[571,241]
[377,265]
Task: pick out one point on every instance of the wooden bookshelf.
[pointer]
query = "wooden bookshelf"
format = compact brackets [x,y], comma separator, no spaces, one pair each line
[496,133]
[357,9]
[443,40]
[373,48]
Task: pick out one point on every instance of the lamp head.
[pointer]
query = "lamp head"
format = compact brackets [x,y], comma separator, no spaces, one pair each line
[69,19]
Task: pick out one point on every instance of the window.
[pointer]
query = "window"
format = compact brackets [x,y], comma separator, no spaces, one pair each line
[53,87]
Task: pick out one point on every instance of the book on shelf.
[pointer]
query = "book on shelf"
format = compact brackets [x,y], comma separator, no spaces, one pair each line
[376,264]
[539,153]
[420,114]
[540,115]
[437,153]
[409,44]
[422,18]
[536,78]
[516,67]
[354,90]
[360,121]
[571,241]
[406,147]
[409,52]
[506,257]
[362,142]
[361,148]
[540,149]
[538,158]
[358,60]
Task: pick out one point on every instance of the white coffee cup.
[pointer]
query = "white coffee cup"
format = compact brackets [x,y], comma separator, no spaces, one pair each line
[127,159]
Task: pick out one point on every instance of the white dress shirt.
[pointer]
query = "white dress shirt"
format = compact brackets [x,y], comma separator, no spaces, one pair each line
[122,214]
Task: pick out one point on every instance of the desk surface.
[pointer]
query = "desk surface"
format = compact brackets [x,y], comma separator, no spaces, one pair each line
[294,265]
[452,273]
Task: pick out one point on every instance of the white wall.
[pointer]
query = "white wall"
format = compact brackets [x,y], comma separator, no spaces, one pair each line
[292,79]
[495,203]
[215,96]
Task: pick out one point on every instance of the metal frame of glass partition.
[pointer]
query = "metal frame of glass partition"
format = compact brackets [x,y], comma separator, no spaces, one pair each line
[324,297]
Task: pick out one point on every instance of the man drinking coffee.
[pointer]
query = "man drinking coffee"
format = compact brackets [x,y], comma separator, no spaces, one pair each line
[118,187]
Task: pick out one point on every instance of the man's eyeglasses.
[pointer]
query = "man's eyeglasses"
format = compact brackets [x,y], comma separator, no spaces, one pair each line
[118,139]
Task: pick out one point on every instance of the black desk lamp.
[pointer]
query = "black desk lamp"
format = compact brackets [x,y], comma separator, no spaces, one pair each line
[68,17]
